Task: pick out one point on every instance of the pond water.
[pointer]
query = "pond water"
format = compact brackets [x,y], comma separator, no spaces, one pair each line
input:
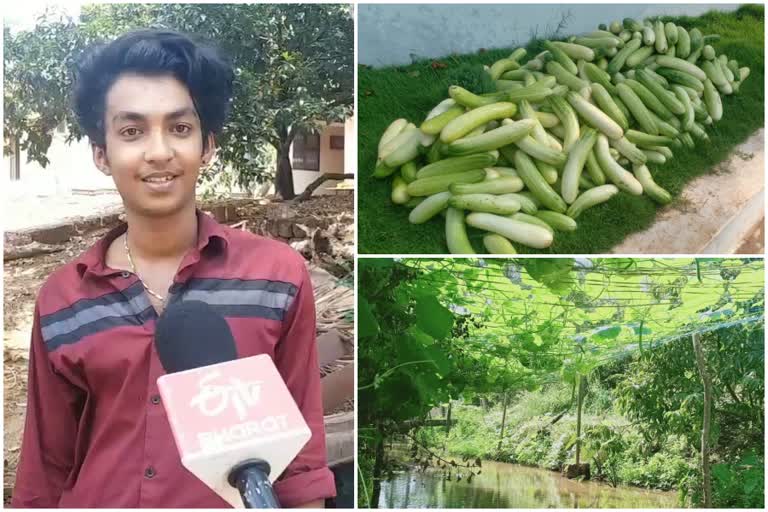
[502,485]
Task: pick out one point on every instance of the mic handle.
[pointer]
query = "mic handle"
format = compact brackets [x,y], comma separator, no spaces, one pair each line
[250,477]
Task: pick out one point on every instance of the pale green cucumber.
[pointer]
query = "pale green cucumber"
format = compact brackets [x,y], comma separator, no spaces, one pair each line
[405,147]
[568,119]
[664,96]
[595,172]
[576,51]
[500,66]
[516,231]
[558,221]
[608,105]
[645,139]
[595,117]
[392,131]
[682,96]
[497,244]
[530,219]
[400,191]
[618,61]
[615,173]
[456,233]
[489,203]
[494,139]
[597,75]
[650,187]
[561,57]
[681,65]
[437,123]
[629,150]
[575,164]
[565,78]
[435,184]
[590,198]
[535,182]
[637,108]
[502,185]
[409,171]
[429,207]
[712,101]
[457,164]
[471,120]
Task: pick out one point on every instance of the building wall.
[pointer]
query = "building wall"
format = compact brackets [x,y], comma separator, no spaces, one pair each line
[435,30]
[331,160]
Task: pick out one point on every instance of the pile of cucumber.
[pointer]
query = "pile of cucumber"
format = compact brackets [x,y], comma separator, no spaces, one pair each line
[564,131]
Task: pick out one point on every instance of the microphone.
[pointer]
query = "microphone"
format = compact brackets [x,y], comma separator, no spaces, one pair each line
[235,423]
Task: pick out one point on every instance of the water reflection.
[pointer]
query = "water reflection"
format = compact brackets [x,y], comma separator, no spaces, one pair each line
[511,486]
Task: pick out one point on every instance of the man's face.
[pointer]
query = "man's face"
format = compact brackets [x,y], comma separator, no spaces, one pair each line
[154,147]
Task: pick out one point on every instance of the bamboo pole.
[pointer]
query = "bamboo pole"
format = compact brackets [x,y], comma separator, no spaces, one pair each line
[706,379]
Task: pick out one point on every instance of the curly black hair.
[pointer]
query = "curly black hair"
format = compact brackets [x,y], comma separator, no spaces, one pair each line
[205,72]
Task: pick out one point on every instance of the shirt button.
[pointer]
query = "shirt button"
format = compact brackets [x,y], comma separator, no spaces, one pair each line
[155,399]
[126,274]
[149,472]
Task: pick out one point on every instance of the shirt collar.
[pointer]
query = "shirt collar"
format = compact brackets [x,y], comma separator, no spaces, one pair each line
[93,261]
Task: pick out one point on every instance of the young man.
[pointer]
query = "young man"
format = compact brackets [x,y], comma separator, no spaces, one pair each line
[96,433]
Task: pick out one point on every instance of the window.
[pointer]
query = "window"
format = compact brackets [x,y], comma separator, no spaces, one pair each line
[337,142]
[306,152]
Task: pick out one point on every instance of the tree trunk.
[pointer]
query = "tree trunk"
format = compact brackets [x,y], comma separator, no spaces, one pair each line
[15,160]
[378,466]
[448,419]
[319,181]
[284,174]
[704,372]
[580,399]
[503,419]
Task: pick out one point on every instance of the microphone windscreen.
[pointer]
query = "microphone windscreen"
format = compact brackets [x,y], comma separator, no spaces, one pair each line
[191,334]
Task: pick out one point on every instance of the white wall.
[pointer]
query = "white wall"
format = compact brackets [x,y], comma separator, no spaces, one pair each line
[396,34]
[331,160]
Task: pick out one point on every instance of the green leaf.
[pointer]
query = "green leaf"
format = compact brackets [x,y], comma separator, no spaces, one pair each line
[433,318]
[553,273]
[609,333]
[367,324]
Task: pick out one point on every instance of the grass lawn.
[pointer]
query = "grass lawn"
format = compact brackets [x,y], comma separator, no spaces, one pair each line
[411,91]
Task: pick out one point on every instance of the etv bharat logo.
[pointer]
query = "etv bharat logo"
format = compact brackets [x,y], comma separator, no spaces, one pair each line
[215,397]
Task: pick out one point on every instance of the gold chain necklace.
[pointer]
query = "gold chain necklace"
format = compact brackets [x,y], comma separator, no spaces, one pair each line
[133,268]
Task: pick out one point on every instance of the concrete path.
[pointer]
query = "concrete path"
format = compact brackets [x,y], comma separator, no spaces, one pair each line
[717,213]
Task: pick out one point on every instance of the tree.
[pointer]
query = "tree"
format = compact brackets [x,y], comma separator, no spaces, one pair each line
[293,72]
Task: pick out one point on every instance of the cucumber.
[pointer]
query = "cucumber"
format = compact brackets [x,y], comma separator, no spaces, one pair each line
[649,36]
[615,27]
[661,37]
[598,42]
[644,139]
[708,52]
[595,172]
[613,171]
[681,78]
[547,119]
[399,191]
[502,185]
[429,207]
[632,25]
[516,231]
[541,152]
[649,99]
[712,101]
[575,164]
[530,219]
[382,170]
[637,108]
[493,139]
[558,221]
[697,39]
[575,51]
[561,58]
[650,187]
[639,56]
[628,149]
[468,121]
[565,78]
[497,244]
[500,66]
[655,157]
[457,164]
[681,65]
[617,62]
[409,170]
[568,120]
[682,96]
[403,148]
[528,202]
[456,233]
[489,203]
[435,184]
[536,183]
[392,131]
[670,30]
[594,116]
[663,95]
[590,198]
[435,125]
[683,43]
[597,75]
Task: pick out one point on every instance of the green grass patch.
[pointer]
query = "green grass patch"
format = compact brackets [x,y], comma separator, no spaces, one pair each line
[411,91]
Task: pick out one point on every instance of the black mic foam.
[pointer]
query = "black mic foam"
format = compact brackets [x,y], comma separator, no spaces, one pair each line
[191,334]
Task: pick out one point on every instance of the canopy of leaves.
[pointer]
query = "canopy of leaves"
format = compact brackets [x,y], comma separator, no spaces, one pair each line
[293,64]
